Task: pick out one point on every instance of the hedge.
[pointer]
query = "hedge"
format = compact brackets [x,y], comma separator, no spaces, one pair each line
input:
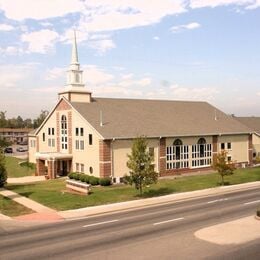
[89,179]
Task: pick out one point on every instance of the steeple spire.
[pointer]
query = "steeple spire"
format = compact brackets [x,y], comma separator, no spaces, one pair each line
[74,54]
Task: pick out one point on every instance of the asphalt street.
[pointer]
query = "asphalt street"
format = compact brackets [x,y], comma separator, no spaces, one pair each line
[162,231]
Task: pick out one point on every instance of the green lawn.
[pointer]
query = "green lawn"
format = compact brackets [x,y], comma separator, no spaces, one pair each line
[15,170]
[11,208]
[53,193]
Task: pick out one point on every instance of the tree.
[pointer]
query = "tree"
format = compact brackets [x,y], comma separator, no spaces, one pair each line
[4,143]
[140,165]
[3,173]
[38,121]
[3,121]
[223,167]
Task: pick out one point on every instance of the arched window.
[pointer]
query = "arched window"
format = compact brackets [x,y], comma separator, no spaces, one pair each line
[64,133]
[202,143]
[177,147]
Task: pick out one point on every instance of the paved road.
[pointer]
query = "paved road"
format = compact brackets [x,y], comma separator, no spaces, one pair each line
[165,231]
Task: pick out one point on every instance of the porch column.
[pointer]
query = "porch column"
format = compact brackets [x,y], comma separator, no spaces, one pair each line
[52,169]
[162,156]
[40,167]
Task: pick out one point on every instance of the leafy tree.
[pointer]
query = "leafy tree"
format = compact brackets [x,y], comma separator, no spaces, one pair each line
[223,167]
[38,121]
[3,121]
[4,143]
[3,173]
[140,164]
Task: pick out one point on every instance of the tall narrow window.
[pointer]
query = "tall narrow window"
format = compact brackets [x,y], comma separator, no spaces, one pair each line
[64,133]
[90,139]
[43,137]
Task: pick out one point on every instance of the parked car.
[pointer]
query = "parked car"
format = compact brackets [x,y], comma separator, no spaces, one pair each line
[8,150]
[21,149]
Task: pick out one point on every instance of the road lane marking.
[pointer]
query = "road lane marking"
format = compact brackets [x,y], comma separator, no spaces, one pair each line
[252,202]
[167,221]
[101,223]
[214,201]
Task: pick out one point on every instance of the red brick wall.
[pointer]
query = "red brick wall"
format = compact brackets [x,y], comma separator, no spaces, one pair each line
[250,149]
[215,147]
[105,165]
[40,167]
[184,170]
[63,105]
[52,169]
[58,131]
[162,156]
[70,132]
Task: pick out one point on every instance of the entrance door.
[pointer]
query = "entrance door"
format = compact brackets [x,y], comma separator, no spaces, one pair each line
[64,168]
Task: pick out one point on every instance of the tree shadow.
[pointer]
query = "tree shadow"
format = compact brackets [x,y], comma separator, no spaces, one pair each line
[156,192]
[226,183]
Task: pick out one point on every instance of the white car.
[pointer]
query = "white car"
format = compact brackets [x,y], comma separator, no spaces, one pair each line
[21,149]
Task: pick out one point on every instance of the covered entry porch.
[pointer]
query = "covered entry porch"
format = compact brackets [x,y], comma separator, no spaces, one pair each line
[53,164]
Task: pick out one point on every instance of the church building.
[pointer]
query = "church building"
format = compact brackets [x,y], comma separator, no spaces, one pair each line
[93,135]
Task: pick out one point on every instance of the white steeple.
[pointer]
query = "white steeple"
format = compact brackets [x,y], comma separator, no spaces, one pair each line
[75,90]
[74,74]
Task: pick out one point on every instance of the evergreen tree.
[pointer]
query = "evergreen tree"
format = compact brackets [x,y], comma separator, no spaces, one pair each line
[140,164]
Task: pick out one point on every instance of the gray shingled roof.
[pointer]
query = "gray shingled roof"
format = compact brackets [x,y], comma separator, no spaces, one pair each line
[128,118]
[252,122]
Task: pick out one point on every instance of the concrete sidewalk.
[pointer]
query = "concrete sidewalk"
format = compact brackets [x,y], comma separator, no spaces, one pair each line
[239,231]
[25,179]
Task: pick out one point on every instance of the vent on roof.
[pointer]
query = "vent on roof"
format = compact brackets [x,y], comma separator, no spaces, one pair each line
[101,118]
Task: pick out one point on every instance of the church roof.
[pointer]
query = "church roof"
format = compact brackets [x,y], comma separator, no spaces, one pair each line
[129,118]
[252,122]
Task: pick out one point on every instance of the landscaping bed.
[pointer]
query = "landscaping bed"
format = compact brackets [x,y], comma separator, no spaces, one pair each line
[52,193]
[11,208]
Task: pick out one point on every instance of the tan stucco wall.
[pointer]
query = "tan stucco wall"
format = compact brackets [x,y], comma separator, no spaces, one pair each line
[32,149]
[43,146]
[120,149]
[90,155]
[239,147]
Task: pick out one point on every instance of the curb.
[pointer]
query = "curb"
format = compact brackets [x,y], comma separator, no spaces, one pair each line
[149,202]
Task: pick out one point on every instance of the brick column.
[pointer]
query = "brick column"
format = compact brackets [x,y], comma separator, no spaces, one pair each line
[214,148]
[250,149]
[105,164]
[40,167]
[52,169]
[70,132]
[162,156]
[58,131]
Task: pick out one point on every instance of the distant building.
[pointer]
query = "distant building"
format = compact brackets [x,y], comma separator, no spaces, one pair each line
[15,135]
[94,135]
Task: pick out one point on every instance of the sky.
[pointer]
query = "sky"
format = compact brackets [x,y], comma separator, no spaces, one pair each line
[202,50]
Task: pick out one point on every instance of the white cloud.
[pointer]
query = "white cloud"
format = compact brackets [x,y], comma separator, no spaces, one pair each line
[117,91]
[55,73]
[96,76]
[215,3]
[40,9]
[129,81]
[258,93]
[189,26]
[103,15]
[51,89]
[156,38]
[12,75]
[255,5]
[40,41]
[6,27]
[102,46]
[11,50]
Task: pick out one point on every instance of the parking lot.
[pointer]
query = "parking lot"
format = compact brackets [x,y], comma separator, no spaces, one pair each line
[21,155]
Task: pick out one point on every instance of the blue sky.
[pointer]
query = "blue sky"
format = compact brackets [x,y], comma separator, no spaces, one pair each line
[205,50]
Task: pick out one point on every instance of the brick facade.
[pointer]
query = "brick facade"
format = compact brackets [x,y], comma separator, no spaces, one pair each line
[40,167]
[63,105]
[250,149]
[162,156]
[52,169]
[105,164]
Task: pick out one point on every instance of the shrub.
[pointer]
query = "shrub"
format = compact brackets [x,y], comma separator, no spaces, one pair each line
[77,176]
[71,175]
[3,172]
[28,165]
[93,180]
[105,181]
